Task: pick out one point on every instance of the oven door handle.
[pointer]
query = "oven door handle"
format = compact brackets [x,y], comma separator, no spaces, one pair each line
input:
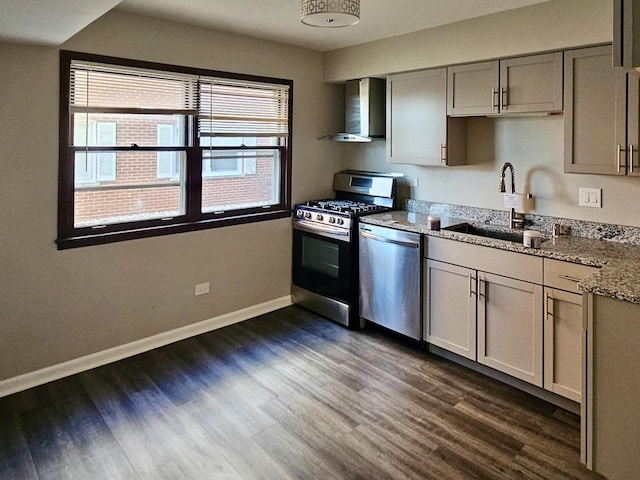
[389,240]
[315,228]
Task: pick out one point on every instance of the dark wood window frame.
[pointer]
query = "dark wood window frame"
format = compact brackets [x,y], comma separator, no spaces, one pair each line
[70,236]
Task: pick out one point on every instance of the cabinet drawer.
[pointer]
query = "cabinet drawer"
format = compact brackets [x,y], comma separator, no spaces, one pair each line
[487,259]
[565,275]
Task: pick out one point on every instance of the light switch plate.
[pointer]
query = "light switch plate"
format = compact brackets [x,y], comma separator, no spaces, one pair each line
[590,197]
[411,181]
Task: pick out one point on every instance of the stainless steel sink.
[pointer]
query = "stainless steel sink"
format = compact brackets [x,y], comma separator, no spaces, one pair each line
[514,237]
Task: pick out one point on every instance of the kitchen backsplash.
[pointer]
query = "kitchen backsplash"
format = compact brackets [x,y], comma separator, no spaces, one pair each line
[544,224]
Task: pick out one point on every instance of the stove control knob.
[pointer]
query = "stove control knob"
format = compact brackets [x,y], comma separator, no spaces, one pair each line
[332,219]
[307,215]
[300,213]
[319,217]
[340,221]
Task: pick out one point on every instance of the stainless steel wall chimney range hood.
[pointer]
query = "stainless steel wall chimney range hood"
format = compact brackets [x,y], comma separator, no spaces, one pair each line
[365,111]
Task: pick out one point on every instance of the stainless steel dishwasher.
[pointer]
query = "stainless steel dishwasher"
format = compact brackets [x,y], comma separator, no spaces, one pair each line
[390,292]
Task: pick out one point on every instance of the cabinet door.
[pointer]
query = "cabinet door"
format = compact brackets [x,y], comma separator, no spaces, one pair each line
[417,117]
[595,113]
[531,84]
[473,89]
[633,123]
[613,421]
[450,308]
[626,38]
[563,343]
[510,326]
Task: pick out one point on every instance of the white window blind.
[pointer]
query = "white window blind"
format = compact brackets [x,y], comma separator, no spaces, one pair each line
[236,108]
[101,88]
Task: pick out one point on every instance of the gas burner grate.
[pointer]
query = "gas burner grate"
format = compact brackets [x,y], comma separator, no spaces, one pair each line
[348,207]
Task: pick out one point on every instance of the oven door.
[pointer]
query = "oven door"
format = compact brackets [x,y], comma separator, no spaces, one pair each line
[323,262]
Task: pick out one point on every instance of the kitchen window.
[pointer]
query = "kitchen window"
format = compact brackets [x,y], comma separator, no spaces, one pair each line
[168,163]
[150,149]
[91,168]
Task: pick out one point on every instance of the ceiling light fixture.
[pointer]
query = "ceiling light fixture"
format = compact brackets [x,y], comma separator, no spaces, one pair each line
[330,13]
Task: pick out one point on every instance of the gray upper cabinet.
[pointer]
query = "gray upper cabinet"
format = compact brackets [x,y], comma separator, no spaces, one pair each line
[473,89]
[595,119]
[418,129]
[626,38]
[515,85]
[531,84]
[633,123]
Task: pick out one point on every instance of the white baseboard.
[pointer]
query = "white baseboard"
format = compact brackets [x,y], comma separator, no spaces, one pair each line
[55,372]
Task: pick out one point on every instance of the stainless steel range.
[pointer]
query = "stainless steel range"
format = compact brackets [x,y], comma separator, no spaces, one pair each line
[325,244]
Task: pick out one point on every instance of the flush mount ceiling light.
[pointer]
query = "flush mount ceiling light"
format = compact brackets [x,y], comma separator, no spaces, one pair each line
[330,13]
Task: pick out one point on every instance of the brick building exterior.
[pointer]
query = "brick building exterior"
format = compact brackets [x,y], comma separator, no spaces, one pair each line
[133,185]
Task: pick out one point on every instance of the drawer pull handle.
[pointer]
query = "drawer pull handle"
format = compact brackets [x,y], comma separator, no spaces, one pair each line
[471,292]
[567,277]
[619,151]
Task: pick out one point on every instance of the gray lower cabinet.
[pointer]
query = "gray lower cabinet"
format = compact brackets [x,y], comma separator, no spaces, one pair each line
[563,343]
[602,107]
[475,307]
[611,417]
[510,326]
[418,129]
[450,307]
[514,85]
[564,327]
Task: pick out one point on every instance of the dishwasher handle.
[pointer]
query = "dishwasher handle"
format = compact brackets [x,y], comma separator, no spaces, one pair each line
[402,243]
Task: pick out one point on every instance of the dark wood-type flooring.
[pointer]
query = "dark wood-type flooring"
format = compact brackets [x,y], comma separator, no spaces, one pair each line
[286,395]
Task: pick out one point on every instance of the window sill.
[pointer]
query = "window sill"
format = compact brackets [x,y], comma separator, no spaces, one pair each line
[221,176]
[120,236]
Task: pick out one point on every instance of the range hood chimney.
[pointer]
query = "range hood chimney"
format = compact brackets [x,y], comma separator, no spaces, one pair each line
[365,119]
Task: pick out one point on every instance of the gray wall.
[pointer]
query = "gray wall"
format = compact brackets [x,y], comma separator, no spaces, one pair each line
[60,305]
[550,25]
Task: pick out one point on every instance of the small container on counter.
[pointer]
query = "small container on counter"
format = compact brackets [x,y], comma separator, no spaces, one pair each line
[433,222]
[532,238]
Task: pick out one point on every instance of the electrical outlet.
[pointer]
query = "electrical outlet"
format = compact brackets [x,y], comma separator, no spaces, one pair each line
[590,197]
[202,288]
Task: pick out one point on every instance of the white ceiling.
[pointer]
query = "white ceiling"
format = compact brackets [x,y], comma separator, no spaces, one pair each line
[48,22]
[54,21]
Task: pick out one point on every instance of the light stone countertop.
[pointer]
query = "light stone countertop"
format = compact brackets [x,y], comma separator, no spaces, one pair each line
[618,278]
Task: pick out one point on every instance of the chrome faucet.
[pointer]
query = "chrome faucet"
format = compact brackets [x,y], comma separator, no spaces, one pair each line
[516,220]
